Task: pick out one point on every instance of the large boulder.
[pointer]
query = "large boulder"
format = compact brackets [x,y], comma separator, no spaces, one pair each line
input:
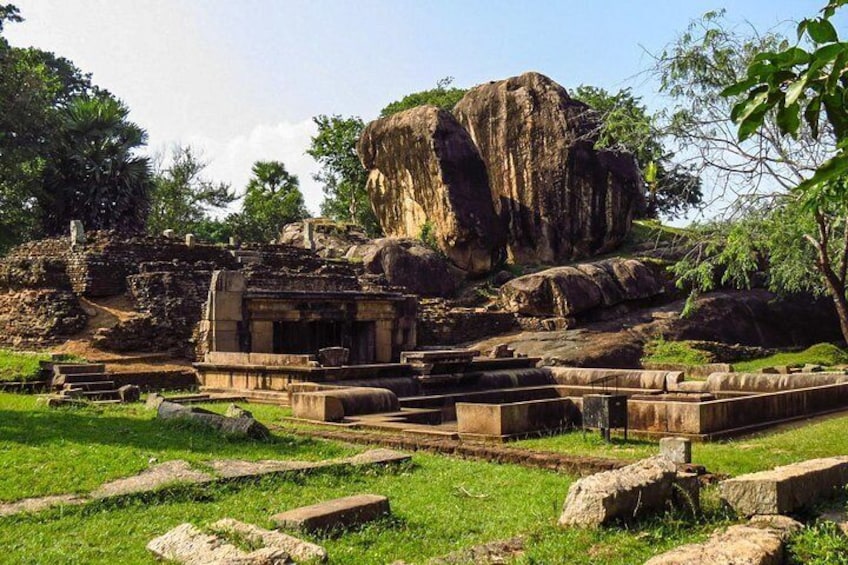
[426,171]
[408,263]
[560,197]
[569,291]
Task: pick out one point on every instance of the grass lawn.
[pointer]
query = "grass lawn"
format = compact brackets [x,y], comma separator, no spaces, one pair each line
[440,504]
[825,354]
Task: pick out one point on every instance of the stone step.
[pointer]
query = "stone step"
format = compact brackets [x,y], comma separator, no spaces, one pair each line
[339,513]
[59,380]
[77,368]
[101,395]
[90,386]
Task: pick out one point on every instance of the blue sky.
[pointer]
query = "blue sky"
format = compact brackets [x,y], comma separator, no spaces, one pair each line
[241,80]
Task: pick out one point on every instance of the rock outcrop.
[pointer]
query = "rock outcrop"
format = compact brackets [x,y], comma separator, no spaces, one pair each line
[569,291]
[408,263]
[560,197]
[426,171]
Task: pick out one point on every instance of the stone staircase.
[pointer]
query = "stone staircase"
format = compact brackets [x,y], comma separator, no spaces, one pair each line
[84,381]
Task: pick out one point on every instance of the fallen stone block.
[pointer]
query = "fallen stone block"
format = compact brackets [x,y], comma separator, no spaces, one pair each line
[129,393]
[491,553]
[39,504]
[188,545]
[158,476]
[297,549]
[245,427]
[154,400]
[335,514]
[623,493]
[234,411]
[785,489]
[759,543]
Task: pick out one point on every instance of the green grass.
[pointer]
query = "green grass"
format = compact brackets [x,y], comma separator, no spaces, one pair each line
[825,354]
[439,503]
[76,449]
[23,365]
[678,352]
[822,437]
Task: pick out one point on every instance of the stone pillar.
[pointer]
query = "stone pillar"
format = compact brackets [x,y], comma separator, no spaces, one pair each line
[308,235]
[383,341]
[190,240]
[224,310]
[261,336]
[234,242]
[169,234]
[77,233]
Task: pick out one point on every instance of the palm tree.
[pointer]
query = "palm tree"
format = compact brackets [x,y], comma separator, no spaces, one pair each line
[94,174]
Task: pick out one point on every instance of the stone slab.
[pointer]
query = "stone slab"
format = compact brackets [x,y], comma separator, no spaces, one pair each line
[624,493]
[237,469]
[188,545]
[298,549]
[154,478]
[339,513]
[40,503]
[785,489]
[379,456]
[758,543]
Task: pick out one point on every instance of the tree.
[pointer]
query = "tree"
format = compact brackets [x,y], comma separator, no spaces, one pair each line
[93,173]
[342,175]
[692,72]
[181,198]
[785,91]
[625,125]
[34,87]
[272,199]
[444,96]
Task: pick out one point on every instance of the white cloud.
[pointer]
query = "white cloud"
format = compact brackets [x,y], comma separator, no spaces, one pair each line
[230,160]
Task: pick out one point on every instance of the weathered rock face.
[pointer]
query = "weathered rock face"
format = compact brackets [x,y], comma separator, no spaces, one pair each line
[424,169]
[637,489]
[560,198]
[569,291]
[408,263]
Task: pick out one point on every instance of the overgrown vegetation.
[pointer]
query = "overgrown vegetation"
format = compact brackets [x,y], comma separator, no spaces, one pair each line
[824,354]
[678,352]
[24,365]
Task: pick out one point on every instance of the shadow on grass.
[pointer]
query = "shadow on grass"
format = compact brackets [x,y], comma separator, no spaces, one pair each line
[39,427]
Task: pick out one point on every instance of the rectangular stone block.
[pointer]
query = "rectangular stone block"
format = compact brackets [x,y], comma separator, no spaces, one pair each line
[516,418]
[227,306]
[335,514]
[785,489]
[261,336]
[678,449]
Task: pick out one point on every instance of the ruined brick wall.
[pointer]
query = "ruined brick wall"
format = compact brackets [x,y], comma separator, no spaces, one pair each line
[439,325]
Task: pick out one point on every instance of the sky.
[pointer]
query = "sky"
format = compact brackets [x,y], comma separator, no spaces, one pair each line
[241,81]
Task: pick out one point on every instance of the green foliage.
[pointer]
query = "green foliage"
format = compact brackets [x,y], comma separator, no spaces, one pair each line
[820,544]
[444,96]
[94,173]
[662,351]
[35,86]
[181,198]
[428,236]
[794,85]
[693,72]
[272,200]
[672,189]
[825,354]
[342,175]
